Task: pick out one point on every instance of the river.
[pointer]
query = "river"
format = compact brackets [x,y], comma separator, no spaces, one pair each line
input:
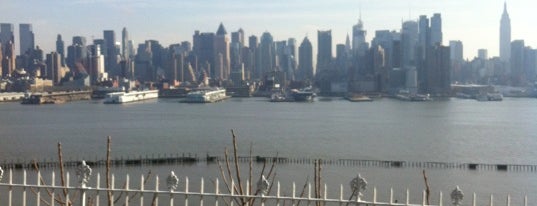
[451,130]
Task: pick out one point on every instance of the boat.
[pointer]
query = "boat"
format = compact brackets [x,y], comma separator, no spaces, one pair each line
[420,97]
[358,98]
[206,95]
[131,96]
[496,96]
[303,95]
[278,97]
[100,92]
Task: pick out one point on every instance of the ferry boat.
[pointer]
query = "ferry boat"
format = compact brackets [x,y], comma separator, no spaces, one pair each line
[206,96]
[131,96]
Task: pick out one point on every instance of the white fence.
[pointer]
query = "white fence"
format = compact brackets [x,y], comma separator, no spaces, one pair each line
[85,194]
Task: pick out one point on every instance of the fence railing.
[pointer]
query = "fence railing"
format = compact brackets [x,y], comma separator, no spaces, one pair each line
[178,192]
[162,159]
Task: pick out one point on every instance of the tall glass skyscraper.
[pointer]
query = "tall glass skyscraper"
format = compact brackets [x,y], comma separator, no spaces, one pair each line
[324,49]
[26,36]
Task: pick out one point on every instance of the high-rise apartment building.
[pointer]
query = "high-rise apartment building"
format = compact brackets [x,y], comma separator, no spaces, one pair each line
[505,35]
[26,38]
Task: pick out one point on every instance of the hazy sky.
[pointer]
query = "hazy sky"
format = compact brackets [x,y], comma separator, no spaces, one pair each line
[475,22]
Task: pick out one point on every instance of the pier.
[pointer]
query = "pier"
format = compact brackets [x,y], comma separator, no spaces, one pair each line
[11,96]
[57,97]
[186,159]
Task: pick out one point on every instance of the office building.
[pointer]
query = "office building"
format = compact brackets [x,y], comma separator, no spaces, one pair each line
[26,38]
[324,50]
[221,49]
[305,60]
[436,30]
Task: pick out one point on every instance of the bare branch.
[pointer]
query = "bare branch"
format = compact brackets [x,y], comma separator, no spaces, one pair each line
[427,189]
[108,183]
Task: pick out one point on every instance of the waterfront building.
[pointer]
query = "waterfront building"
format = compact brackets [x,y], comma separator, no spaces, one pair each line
[437,71]
[221,49]
[305,60]
[324,50]
[505,35]
[26,38]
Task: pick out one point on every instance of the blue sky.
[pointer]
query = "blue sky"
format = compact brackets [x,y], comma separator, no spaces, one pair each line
[474,22]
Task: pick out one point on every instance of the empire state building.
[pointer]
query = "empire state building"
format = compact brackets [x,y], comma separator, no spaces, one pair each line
[505,35]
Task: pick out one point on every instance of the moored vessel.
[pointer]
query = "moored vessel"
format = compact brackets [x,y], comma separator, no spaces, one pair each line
[209,95]
[131,96]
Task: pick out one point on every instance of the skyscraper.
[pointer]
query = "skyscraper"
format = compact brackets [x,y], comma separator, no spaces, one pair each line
[203,48]
[60,48]
[110,52]
[324,50]
[505,35]
[266,55]
[54,68]
[424,36]
[305,60]
[6,34]
[359,45]
[436,30]
[26,36]
[409,40]
[456,51]
[125,53]
[517,63]
[221,49]
[8,61]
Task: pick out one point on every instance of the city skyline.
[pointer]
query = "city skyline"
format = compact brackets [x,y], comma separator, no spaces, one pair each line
[173,22]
